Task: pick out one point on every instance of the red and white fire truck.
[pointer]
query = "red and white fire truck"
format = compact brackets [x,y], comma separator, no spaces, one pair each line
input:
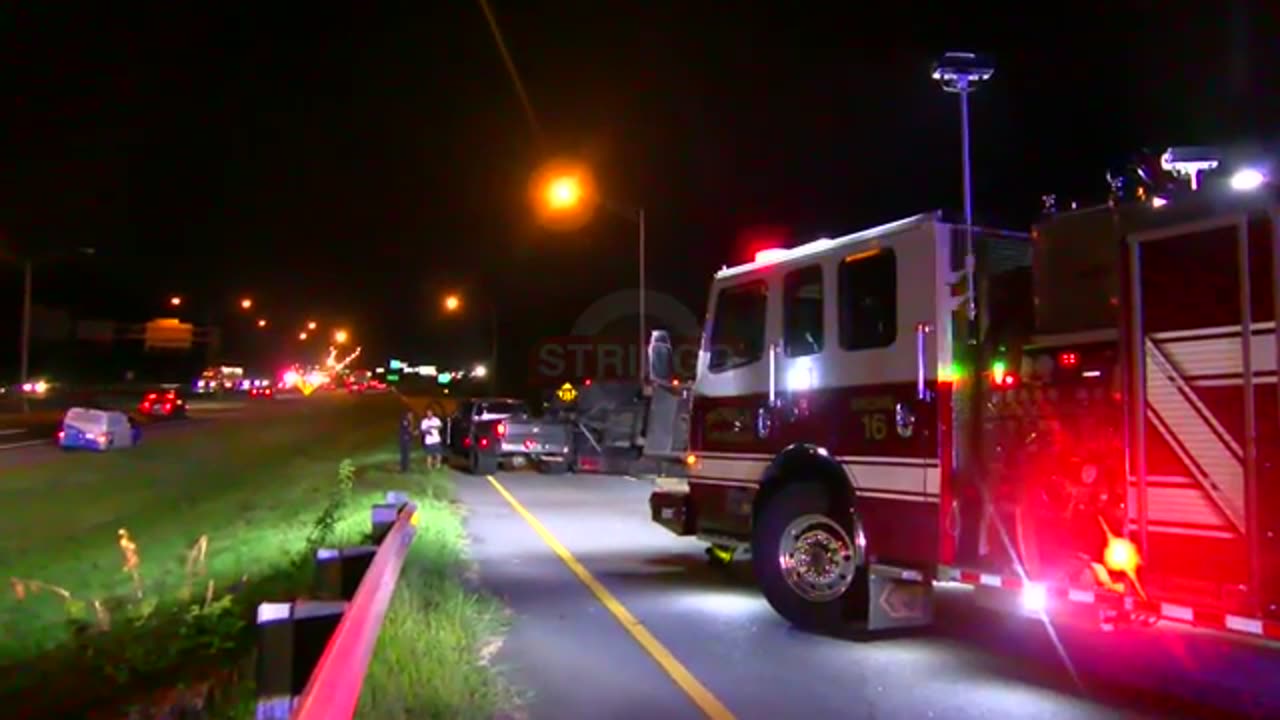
[1096,431]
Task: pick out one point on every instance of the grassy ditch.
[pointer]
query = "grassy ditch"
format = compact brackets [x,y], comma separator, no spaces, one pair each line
[138,570]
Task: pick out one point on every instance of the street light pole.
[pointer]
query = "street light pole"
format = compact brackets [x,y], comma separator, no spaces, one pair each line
[640,349]
[968,199]
[25,352]
[493,350]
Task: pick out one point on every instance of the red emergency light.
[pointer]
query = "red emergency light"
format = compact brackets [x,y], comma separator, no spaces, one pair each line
[770,254]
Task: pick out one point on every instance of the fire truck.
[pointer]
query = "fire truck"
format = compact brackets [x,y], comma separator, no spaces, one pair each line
[1079,420]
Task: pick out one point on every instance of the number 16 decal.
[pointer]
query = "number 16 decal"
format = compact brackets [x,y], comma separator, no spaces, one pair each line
[875,426]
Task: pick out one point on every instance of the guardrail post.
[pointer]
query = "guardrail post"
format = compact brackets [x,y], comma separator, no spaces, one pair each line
[291,638]
[384,515]
[340,570]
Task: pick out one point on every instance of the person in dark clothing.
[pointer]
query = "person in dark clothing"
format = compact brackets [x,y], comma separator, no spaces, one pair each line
[407,428]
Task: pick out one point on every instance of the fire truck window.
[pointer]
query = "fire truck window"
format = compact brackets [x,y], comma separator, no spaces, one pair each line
[802,312]
[737,335]
[869,301]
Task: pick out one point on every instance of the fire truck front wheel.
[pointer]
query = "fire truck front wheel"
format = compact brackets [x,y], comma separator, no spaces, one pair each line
[804,557]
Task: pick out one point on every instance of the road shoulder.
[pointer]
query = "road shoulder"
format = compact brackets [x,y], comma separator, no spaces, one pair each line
[566,650]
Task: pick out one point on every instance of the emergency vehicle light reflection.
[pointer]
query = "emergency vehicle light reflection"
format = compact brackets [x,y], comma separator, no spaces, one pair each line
[729,603]
[1034,598]
[800,376]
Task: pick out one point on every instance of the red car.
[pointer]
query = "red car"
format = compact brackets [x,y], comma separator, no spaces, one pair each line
[261,392]
[163,404]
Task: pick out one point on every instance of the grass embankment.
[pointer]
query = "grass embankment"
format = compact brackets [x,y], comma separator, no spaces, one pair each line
[215,522]
[427,663]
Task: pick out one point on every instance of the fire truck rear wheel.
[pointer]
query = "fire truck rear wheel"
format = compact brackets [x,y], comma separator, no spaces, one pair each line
[804,557]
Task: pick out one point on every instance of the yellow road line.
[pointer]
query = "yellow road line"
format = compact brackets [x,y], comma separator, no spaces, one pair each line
[697,692]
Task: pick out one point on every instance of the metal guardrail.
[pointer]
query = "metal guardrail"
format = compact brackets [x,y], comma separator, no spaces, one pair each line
[291,634]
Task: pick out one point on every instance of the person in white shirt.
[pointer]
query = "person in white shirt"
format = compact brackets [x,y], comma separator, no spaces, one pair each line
[430,428]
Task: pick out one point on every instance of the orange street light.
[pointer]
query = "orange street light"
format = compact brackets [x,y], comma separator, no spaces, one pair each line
[262,323]
[311,325]
[302,336]
[340,337]
[175,301]
[564,192]
[246,303]
[452,303]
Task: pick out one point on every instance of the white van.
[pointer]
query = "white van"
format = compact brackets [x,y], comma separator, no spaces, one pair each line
[98,430]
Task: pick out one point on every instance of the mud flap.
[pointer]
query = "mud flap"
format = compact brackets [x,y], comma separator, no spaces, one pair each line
[898,598]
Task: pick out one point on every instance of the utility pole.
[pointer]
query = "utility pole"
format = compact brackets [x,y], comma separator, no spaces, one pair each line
[640,349]
[25,353]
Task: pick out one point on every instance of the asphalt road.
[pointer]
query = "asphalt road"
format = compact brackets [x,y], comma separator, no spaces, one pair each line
[575,659]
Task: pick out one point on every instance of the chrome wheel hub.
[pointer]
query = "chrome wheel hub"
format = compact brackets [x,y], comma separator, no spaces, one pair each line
[817,558]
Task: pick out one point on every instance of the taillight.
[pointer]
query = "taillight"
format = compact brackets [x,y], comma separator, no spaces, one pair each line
[501,429]
[168,407]
[528,444]
[1068,359]
[466,442]
[484,442]
[61,434]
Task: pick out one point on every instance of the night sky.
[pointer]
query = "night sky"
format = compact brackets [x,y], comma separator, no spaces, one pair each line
[353,164]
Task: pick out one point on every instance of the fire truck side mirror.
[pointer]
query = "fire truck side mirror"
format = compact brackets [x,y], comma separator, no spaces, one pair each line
[660,360]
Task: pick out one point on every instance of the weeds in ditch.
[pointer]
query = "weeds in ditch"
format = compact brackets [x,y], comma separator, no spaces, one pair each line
[148,636]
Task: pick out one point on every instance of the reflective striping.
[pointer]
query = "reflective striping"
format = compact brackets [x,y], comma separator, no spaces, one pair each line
[1196,617]
[1243,625]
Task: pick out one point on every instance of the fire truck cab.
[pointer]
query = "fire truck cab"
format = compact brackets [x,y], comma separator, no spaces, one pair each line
[1100,429]
[815,427]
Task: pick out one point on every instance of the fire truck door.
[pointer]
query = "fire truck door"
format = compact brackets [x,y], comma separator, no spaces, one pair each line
[856,361]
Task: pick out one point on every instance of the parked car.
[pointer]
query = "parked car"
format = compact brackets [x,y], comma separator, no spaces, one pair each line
[97,430]
[489,433]
[261,392]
